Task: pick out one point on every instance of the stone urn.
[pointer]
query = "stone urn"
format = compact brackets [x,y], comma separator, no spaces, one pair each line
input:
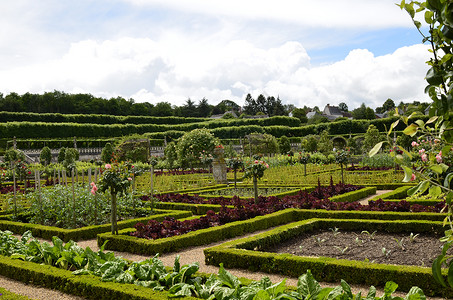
[219,168]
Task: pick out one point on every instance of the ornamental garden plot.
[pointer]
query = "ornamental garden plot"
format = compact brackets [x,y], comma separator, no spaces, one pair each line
[253,253]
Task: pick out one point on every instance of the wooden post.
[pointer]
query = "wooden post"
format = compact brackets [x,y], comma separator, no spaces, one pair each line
[40,197]
[14,189]
[73,200]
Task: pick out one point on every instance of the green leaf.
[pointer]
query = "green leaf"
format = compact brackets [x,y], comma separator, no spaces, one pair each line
[437,271]
[410,9]
[180,290]
[433,76]
[375,149]
[450,275]
[436,168]
[227,278]
[407,174]
[432,119]
[392,126]
[390,288]
[276,289]
[429,17]
[435,191]
[346,288]
[405,151]
[371,293]
[448,198]
[307,286]
[448,180]
[262,295]
[411,129]
[415,293]
[176,265]
[419,188]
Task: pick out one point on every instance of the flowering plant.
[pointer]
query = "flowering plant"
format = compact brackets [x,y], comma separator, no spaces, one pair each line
[304,158]
[220,146]
[116,177]
[255,169]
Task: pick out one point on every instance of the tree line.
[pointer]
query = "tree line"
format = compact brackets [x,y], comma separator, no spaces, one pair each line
[65,103]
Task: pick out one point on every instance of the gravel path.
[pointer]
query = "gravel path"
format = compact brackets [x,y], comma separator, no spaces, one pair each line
[194,254]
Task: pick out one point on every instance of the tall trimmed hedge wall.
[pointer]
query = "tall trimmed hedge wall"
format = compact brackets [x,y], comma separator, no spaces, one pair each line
[223,129]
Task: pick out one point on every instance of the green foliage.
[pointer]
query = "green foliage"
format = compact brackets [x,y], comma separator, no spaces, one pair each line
[135,150]
[171,155]
[51,206]
[12,155]
[284,145]
[61,155]
[45,156]
[325,145]
[378,161]
[257,143]
[372,136]
[192,144]
[309,144]
[255,169]
[107,153]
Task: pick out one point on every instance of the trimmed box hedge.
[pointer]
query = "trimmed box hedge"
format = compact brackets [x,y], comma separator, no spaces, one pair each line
[84,233]
[354,195]
[88,286]
[242,254]
[127,243]
[398,193]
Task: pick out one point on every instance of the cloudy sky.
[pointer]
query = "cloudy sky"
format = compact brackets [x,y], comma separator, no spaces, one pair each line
[306,52]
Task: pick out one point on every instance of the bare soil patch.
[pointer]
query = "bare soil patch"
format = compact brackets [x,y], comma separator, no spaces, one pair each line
[377,247]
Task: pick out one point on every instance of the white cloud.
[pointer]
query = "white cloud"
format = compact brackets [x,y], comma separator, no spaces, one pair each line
[172,69]
[328,13]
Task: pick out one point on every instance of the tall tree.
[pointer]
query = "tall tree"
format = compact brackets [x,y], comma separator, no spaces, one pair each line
[203,108]
[250,106]
[343,106]
[388,105]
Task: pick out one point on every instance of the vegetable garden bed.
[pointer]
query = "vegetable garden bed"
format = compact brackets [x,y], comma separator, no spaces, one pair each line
[244,253]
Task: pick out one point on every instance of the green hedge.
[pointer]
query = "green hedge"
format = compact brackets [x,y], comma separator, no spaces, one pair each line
[124,242]
[87,286]
[389,186]
[93,118]
[242,254]
[7,295]
[355,195]
[398,193]
[84,233]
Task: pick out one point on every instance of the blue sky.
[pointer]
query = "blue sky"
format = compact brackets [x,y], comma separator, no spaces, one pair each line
[306,52]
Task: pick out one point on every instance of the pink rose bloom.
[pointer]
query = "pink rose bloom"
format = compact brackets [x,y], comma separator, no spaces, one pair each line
[413,177]
[424,157]
[414,144]
[439,157]
[108,166]
[267,166]
[421,151]
[93,191]
[92,184]
[256,161]
[128,178]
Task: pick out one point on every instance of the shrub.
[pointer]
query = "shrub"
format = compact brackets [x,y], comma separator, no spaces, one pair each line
[45,156]
[284,145]
[192,144]
[107,152]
